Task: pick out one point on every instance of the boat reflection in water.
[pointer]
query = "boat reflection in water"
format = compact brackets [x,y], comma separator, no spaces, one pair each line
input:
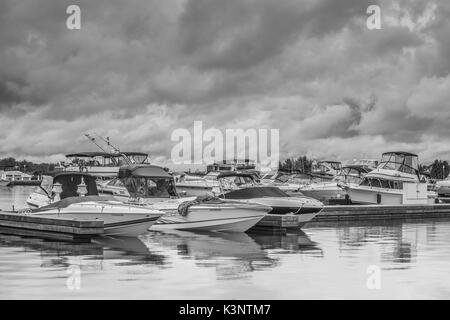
[232,254]
[88,256]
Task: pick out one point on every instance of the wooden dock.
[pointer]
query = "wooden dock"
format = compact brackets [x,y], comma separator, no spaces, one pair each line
[382,212]
[280,224]
[54,228]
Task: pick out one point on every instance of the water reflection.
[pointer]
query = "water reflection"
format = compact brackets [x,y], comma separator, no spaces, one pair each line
[54,254]
[292,242]
[233,255]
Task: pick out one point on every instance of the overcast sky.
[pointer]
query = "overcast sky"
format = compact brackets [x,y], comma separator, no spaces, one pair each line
[139,69]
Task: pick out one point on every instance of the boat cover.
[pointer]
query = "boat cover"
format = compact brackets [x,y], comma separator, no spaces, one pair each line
[255,192]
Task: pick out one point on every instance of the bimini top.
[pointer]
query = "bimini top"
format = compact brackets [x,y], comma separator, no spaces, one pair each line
[105,154]
[401,152]
[235,174]
[143,171]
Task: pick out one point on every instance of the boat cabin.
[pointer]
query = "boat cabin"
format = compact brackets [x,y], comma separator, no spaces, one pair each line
[403,166]
[147,181]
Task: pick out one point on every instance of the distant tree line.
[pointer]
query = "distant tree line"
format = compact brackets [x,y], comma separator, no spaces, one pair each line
[26,166]
[302,164]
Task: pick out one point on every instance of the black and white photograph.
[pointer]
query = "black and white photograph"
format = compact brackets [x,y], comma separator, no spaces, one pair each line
[224,150]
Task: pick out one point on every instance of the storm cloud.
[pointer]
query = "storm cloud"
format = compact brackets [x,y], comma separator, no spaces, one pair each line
[139,69]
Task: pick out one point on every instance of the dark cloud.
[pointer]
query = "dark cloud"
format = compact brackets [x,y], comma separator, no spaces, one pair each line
[139,69]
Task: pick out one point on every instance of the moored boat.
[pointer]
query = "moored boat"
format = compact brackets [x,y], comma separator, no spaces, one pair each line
[74,195]
[395,181]
[152,186]
[242,187]
[330,191]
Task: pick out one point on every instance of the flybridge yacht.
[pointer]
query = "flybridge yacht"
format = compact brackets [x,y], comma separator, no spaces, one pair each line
[395,181]
[74,195]
[241,186]
[330,191]
[153,187]
[103,164]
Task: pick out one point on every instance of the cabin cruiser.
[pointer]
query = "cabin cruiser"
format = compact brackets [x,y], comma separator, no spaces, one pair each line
[330,191]
[74,195]
[395,181]
[241,186]
[152,186]
[325,170]
[102,164]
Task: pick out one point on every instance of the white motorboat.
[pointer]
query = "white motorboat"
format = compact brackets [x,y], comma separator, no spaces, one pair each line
[154,187]
[74,195]
[330,191]
[395,181]
[241,186]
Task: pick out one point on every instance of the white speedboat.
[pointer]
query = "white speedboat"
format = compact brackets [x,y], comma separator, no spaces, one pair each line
[153,187]
[330,191]
[241,186]
[395,181]
[74,195]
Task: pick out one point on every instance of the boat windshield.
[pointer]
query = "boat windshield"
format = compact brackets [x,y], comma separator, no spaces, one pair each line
[335,165]
[148,187]
[399,162]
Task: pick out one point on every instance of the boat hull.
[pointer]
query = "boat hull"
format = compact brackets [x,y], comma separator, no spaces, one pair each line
[381,196]
[220,225]
[218,217]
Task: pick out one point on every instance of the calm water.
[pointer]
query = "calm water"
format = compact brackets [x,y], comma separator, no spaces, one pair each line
[321,262]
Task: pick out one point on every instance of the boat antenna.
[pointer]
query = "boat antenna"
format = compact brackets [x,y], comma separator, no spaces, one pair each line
[117,150]
[92,139]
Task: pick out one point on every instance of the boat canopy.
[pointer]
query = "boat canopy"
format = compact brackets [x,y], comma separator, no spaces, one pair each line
[143,171]
[147,181]
[90,154]
[236,174]
[105,154]
[70,182]
[255,192]
[400,161]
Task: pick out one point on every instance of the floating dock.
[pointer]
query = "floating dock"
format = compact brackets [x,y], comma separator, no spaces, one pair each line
[280,224]
[382,212]
[53,228]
